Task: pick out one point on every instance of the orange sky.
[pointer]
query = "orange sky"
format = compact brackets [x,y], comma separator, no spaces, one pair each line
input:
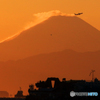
[17,14]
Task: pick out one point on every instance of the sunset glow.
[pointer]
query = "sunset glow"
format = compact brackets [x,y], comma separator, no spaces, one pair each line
[18,15]
[38,18]
[48,38]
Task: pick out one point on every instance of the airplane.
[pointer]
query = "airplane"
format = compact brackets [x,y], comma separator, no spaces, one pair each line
[78,13]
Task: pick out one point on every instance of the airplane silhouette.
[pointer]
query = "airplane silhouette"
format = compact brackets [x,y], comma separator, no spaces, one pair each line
[78,13]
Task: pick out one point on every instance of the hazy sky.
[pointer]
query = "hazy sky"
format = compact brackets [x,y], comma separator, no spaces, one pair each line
[16,14]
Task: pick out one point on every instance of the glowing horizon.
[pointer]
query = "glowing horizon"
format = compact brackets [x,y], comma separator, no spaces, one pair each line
[15,14]
[38,18]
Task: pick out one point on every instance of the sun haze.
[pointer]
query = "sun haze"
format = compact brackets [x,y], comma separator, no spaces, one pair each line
[17,14]
[44,38]
[39,18]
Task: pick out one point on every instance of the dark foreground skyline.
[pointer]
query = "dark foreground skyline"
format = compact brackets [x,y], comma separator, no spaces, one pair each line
[72,51]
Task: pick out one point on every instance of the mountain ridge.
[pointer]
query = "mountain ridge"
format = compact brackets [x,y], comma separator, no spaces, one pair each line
[55,34]
[67,63]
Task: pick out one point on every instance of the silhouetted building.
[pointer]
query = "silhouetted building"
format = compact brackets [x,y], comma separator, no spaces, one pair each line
[19,94]
[61,89]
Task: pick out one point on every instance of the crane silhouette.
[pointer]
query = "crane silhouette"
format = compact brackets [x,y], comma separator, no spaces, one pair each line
[92,72]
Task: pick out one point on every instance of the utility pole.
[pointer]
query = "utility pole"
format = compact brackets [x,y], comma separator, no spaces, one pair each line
[92,72]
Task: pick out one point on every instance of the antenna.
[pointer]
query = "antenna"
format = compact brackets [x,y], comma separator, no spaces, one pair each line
[92,72]
[20,88]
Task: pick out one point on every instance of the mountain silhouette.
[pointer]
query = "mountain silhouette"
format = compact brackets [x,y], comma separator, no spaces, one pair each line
[52,35]
[67,64]
[4,94]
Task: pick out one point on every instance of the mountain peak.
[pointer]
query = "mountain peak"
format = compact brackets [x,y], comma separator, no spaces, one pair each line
[55,34]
